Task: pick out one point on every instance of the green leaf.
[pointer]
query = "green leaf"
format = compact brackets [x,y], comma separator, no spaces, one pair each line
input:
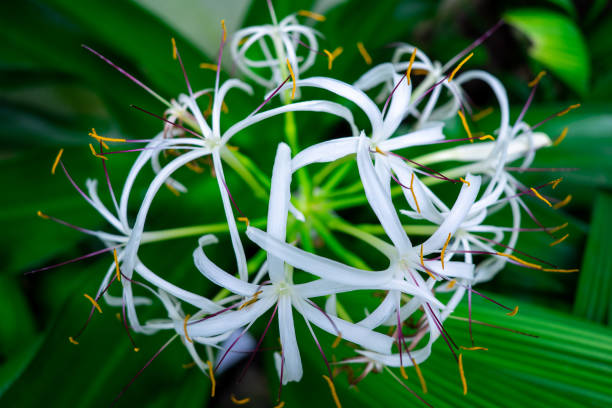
[516,370]
[594,292]
[556,42]
[566,5]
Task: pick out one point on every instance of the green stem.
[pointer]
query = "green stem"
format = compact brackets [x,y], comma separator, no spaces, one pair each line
[243,166]
[174,233]
[336,247]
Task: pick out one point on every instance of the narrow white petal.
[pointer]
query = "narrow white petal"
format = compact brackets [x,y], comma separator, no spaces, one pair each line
[219,276]
[315,264]
[308,106]
[218,103]
[229,216]
[455,217]
[426,135]
[354,333]
[292,370]
[324,152]
[278,206]
[379,200]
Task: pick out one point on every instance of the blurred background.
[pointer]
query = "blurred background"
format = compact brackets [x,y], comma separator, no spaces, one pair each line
[52,92]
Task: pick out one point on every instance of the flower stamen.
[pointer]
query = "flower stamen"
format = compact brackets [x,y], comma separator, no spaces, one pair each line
[312,15]
[412,56]
[537,79]
[420,375]
[93,302]
[93,151]
[563,203]
[239,401]
[561,137]
[540,196]
[364,53]
[211,374]
[444,249]
[458,67]
[332,388]
[513,312]
[117,265]
[56,161]
[465,126]
[482,114]
[462,374]
[207,65]
[185,328]
[292,79]
[413,194]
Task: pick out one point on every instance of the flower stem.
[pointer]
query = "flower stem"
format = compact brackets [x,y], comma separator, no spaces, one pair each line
[174,233]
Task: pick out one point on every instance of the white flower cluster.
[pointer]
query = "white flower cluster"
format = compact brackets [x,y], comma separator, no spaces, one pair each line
[464,247]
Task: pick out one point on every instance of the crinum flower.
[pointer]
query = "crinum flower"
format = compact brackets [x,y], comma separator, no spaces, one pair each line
[280,293]
[286,37]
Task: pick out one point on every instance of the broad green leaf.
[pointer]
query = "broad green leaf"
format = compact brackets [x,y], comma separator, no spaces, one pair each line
[503,376]
[566,5]
[594,292]
[556,42]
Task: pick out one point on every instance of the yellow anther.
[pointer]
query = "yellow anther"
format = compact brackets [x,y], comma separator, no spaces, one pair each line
[118,316]
[473,348]
[173,48]
[561,270]
[245,220]
[420,375]
[540,196]
[194,167]
[536,80]
[42,215]
[93,151]
[188,365]
[561,137]
[102,138]
[211,374]
[224,30]
[364,53]
[416,203]
[243,40]
[332,388]
[379,151]
[336,341]
[232,148]
[560,240]
[185,328]
[239,401]
[310,14]
[560,227]
[136,349]
[556,182]
[224,107]
[569,108]
[420,72]
[422,264]
[331,56]
[452,283]
[403,372]
[172,189]
[117,265]
[465,126]
[73,341]
[487,137]
[412,56]
[93,302]
[444,249]
[519,260]
[462,374]
[56,161]
[458,67]
[464,181]
[104,145]
[563,203]
[482,114]
[513,312]
[280,404]
[250,301]
[206,65]
[292,79]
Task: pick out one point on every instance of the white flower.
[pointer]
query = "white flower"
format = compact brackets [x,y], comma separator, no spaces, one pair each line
[281,293]
[286,37]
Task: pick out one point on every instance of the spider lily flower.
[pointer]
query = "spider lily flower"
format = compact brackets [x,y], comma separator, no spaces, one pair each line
[213,142]
[281,293]
[286,37]
[405,262]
